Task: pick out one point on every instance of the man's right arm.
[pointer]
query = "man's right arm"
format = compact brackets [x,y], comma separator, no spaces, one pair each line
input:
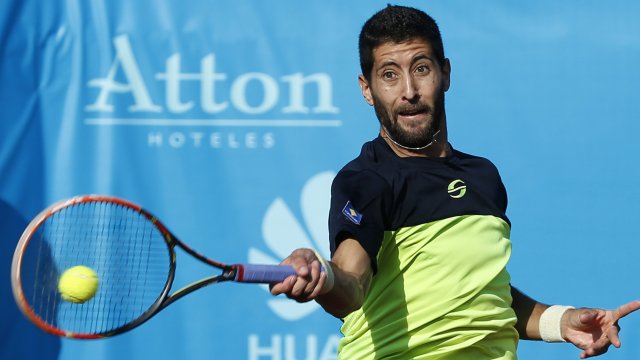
[352,273]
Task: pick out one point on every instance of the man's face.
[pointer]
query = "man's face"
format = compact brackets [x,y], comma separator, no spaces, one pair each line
[407,91]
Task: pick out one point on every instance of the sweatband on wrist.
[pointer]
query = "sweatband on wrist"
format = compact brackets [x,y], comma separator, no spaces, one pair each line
[328,270]
[549,325]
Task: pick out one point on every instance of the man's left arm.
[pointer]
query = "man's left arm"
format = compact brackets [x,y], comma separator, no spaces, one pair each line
[592,330]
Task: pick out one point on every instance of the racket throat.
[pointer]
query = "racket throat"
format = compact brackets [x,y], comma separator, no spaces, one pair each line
[234,272]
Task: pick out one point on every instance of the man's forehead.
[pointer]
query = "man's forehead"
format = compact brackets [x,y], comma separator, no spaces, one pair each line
[409,48]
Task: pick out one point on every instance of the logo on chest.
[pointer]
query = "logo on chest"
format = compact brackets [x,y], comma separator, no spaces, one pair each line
[457,189]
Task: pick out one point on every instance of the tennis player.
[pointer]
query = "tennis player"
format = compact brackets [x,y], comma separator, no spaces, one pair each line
[418,230]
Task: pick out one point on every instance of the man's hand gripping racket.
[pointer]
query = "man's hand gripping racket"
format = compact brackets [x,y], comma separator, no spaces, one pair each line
[130,253]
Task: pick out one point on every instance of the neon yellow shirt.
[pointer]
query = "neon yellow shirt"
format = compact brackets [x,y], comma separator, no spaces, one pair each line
[437,295]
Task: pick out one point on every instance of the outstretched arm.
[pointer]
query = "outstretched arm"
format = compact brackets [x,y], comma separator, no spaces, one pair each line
[592,330]
[352,274]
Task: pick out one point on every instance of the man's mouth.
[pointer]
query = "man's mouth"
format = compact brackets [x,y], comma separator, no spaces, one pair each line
[411,112]
[408,113]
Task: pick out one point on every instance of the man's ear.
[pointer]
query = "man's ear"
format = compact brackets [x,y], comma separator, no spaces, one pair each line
[366,90]
[446,75]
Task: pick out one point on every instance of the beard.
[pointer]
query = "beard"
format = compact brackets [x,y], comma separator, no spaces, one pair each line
[413,136]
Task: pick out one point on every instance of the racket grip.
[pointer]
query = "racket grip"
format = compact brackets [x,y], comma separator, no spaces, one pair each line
[265,274]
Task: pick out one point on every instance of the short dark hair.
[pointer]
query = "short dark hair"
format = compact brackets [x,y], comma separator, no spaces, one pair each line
[397,24]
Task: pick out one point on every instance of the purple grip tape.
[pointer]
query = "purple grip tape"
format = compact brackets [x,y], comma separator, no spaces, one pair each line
[263,273]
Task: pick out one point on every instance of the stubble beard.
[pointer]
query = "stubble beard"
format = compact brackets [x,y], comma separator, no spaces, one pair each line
[419,136]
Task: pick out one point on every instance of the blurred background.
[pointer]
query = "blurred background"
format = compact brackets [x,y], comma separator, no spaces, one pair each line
[229,119]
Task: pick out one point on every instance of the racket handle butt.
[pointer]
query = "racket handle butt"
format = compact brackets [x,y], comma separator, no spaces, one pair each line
[264,274]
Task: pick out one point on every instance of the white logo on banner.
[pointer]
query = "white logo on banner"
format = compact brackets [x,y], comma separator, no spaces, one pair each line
[124,83]
[283,232]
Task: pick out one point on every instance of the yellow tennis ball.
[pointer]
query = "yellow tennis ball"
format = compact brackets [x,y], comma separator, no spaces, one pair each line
[78,284]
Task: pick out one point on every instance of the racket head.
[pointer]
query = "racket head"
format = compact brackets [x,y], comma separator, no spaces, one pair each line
[130,250]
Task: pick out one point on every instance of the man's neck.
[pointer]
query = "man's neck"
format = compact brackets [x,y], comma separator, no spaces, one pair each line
[438,148]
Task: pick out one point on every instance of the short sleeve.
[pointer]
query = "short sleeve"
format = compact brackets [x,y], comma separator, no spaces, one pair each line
[360,210]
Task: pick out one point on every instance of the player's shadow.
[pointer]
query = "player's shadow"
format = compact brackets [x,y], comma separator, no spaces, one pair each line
[19,338]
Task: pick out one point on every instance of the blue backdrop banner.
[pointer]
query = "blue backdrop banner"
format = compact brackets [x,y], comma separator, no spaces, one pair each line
[229,119]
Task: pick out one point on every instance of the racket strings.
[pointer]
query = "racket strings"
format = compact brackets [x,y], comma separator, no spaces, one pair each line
[120,244]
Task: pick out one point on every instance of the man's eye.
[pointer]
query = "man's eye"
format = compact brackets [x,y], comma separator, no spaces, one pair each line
[422,69]
[388,75]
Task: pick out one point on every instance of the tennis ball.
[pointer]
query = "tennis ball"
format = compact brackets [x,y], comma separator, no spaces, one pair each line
[78,284]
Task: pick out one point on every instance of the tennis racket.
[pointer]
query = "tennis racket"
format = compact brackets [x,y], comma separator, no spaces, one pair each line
[132,253]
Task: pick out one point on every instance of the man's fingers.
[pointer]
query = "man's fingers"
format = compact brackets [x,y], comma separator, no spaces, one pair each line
[300,265]
[318,288]
[597,348]
[301,286]
[627,309]
[315,276]
[612,334]
[284,286]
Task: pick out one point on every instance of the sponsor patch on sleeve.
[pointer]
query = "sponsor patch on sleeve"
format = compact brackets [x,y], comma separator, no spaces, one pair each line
[351,213]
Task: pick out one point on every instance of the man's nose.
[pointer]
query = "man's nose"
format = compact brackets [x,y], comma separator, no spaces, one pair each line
[411,90]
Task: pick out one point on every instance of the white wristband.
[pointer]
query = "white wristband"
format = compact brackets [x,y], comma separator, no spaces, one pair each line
[328,270]
[549,326]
